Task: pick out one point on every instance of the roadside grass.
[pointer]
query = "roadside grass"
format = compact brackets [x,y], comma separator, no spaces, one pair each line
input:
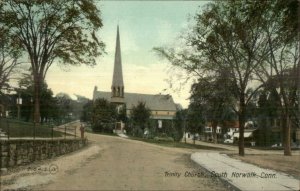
[281,163]
[17,128]
[89,130]
[177,144]
[270,148]
[108,134]
[266,148]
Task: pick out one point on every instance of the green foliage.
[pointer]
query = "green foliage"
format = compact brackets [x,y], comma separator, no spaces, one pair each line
[56,109]
[268,110]
[64,29]
[140,116]
[78,106]
[48,103]
[56,30]
[63,107]
[247,40]
[214,96]
[104,116]
[136,131]
[164,137]
[195,118]
[86,114]
[9,55]
[179,123]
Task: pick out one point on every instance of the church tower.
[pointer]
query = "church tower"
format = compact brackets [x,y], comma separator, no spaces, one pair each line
[117,87]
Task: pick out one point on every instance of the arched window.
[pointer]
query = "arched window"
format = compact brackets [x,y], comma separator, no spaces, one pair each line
[114,91]
[118,91]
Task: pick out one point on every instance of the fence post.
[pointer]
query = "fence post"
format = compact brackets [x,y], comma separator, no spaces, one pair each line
[75,132]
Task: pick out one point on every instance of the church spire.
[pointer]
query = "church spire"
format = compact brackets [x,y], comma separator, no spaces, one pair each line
[117,87]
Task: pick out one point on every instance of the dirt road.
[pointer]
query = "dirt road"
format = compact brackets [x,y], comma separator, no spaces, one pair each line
[113,163]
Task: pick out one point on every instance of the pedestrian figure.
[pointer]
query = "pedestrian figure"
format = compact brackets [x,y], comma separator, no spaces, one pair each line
[82,130]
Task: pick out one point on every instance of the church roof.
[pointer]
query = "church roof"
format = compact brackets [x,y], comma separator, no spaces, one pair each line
[153,102]
[118,75]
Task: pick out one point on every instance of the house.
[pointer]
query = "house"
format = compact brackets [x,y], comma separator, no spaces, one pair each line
[4,105]
[208,133]
[249,136]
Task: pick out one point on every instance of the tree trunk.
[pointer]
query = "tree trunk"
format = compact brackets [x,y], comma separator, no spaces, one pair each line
[241,136]
[268,132]
[37,87]
[214,127]
[194,138]
[286,129]
[241,126]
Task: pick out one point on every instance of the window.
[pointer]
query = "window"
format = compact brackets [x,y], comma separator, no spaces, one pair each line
[118,91]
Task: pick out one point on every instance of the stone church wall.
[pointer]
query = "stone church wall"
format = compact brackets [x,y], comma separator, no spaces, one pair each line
[21,152]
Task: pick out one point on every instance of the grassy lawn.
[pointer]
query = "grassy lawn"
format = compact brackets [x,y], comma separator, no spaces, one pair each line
[177,144]
[286,164]
[25,129]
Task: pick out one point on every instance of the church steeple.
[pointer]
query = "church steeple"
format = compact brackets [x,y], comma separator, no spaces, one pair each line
[117,87]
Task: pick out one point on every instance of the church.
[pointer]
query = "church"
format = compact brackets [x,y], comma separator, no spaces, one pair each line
[162,106]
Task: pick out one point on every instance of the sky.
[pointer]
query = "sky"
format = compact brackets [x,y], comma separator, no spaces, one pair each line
[143,26]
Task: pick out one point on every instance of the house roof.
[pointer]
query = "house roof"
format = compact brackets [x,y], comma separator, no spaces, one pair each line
[247,133]
[232,124]
[153,102]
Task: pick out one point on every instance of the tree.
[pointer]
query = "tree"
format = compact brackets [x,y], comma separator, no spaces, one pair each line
[281,69]
[48,104]
[104,115]
[86,114]
[140,116]
[78,106]
[268,110]
[9,55]
[214,95]
[195,119]
[226,37]
[180,120]
[55,30]
[64,107]
[232,43]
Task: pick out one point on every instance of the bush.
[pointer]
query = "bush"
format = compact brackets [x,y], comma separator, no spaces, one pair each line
[164,138]
[137,132]
[103,127]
